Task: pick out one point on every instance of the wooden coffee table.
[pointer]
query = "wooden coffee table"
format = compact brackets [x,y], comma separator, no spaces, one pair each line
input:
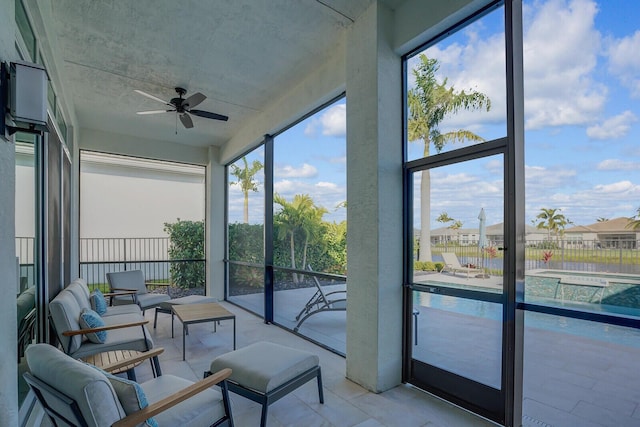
[200,313]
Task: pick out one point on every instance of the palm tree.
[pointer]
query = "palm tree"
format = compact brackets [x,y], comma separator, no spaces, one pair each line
[553,221]
[245,181]
[635,221]
[602,219]
[457,224]
[300,217]
[429,103]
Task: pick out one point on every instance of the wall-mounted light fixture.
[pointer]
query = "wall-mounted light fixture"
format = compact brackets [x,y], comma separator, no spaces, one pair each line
[23,98]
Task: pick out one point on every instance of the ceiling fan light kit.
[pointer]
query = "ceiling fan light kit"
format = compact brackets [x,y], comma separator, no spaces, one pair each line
[183,107]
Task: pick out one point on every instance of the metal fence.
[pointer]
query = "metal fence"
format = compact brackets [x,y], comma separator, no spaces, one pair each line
[611,256]
[25,251]
[99,256]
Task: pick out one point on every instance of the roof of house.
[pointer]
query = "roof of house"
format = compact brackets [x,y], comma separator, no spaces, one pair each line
[616,225]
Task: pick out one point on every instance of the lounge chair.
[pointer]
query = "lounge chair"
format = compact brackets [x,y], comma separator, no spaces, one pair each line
[133,280]
[76,394]
[452,265]
[320,302]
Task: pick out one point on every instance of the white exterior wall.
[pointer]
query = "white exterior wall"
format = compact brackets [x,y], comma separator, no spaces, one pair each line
[135,199]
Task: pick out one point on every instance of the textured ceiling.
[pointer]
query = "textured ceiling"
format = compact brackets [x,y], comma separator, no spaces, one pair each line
[240,54]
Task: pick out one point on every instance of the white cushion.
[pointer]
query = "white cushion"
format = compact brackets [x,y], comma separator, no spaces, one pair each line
[201,410]
[263,366]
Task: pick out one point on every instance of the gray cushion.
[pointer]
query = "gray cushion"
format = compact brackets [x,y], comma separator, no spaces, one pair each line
[151,300]
[117,339]
[263,366]
[203,409]
[132,279]
[117,310]
[87,386]
[65,313]
[79,293]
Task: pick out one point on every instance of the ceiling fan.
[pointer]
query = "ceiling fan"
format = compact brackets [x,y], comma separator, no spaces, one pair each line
[183,107]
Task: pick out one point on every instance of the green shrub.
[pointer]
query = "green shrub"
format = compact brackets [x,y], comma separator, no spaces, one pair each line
[186,243]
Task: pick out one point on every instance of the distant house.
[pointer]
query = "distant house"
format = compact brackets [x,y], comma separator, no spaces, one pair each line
[471,236]
[614,233]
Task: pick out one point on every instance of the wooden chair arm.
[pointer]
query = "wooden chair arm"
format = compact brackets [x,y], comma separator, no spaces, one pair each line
[104,328]
[132,360]
[172,400]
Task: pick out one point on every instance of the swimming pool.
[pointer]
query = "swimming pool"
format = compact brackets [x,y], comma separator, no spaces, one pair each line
[611,293]
[544,290]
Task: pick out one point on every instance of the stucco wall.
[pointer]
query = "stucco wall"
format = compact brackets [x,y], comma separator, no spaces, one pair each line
[8,333]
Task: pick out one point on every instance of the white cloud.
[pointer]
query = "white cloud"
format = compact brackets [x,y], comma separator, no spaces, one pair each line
[332,122]
[288,171]
[617,165]
[585,205]
[559,64]
[624,61]
[540,177]
[615,127]
[616,188]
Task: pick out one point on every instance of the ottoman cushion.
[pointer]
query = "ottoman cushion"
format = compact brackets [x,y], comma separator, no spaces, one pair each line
[264,366]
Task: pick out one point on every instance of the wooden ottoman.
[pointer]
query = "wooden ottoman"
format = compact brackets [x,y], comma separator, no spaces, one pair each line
[265,372]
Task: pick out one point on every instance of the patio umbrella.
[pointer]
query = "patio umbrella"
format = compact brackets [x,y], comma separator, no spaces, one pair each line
[482,232]
[482,239]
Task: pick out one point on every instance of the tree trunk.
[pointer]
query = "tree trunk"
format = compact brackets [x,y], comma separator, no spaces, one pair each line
[246,207]
[304,257]
[293,259]
[425,215]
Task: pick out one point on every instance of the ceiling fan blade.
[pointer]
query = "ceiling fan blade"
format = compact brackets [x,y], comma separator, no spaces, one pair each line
[194,100]
[208,115]
[186,120]
[155,98]
[142,113]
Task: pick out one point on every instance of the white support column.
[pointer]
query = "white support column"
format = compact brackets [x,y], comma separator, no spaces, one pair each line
[374,194]
[8,273]
[215,225]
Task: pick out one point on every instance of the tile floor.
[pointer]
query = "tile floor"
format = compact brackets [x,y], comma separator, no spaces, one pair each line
[346,403]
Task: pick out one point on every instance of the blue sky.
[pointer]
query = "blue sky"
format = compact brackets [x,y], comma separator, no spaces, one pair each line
[582,117]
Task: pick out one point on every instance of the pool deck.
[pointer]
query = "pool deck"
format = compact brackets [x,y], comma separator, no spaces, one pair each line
[569,379]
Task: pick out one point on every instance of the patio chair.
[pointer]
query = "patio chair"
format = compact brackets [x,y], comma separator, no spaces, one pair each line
[133,280]
[78,339]
[452,265]
[321,302]
[77,394]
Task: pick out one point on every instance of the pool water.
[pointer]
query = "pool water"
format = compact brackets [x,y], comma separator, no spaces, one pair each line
[493,311]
